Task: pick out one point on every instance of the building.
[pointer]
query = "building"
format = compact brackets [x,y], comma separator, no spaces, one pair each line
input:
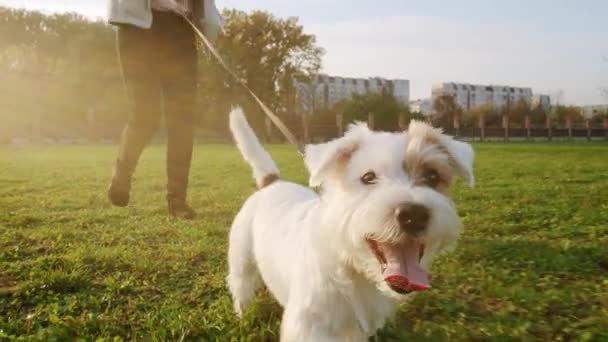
[594,110]
[422,106]
[325,91]
[541,100]
[469,96]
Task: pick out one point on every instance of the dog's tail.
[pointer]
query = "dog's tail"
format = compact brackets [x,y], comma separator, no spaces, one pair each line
[265,171]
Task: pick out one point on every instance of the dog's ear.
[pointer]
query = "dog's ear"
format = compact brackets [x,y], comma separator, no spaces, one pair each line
[460,152]
[463,155]
[324,159]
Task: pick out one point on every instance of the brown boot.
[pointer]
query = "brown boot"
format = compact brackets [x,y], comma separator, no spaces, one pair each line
[120,187]
[177,186]
[178,208]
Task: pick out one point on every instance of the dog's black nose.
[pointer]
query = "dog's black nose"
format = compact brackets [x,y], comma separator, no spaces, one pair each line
[413,218]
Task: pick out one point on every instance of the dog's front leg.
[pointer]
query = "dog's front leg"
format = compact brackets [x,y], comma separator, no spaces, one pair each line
[300,325]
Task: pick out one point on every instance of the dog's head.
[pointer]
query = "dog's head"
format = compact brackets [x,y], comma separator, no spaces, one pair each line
[387,211]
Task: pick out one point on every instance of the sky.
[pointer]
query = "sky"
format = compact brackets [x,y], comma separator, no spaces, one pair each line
[552,46]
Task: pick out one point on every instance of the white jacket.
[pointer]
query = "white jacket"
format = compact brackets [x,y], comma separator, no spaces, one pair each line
[139,13]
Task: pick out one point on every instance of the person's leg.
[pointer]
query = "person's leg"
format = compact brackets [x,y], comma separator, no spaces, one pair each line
[179,84]
[136,50]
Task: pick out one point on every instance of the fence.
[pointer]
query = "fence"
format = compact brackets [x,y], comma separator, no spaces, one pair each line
[307,132]
[551,130]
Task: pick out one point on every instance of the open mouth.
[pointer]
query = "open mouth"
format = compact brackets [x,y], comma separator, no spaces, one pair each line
[400,265]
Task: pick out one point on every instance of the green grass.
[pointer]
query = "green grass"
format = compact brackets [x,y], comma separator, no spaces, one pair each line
[532,263]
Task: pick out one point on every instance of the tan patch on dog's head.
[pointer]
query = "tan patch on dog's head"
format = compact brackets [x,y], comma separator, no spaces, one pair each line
[420,130]
[427,159]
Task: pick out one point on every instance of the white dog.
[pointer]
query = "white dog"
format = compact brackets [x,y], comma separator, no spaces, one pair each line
[342,260]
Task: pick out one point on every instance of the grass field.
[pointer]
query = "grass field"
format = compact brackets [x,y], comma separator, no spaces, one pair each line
[532,263]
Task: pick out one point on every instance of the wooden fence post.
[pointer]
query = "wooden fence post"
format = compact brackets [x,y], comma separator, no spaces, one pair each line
[402,122]
[340,123]
[569,126]
[92,123]
[505,125]
[549,129]
[456,124]
[588,126]
[36,135]
[370,121]
[527,123]
[482,128]
[268,126]
[306,127]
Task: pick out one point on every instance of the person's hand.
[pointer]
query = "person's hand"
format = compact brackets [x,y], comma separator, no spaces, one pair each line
[177,7]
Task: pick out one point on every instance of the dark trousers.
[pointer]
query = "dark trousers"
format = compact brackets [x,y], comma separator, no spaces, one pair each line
[159,67]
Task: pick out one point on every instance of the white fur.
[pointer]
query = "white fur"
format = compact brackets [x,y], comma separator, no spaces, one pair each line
[310,249]
[250,147]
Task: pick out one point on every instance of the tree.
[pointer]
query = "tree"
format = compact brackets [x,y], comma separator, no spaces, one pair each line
[472,117]
[417,116]
[384,106]
[519,111]
[446,109]
[268,53]
[538,114]
[568,113]
[598,116]
[604,90]
[309,97]
[68,66]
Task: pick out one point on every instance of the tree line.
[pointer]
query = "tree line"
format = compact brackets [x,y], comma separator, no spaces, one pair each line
[388,114]
[62,80]
[447,113]
[65,79]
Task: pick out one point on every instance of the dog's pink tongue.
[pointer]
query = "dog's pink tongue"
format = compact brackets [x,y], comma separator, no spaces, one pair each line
[403,272]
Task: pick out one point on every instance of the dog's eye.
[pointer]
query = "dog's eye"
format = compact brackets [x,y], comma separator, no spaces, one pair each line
[431,178]
[369,178]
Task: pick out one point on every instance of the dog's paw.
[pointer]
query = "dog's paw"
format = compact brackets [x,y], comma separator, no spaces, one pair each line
[238,309]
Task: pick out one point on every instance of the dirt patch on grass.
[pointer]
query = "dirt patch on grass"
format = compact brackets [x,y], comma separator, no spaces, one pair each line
[8,285]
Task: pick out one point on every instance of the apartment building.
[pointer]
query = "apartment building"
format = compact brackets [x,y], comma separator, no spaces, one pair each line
[469,96]
[325,90]
[591,111]
[541,100]
[422,106]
